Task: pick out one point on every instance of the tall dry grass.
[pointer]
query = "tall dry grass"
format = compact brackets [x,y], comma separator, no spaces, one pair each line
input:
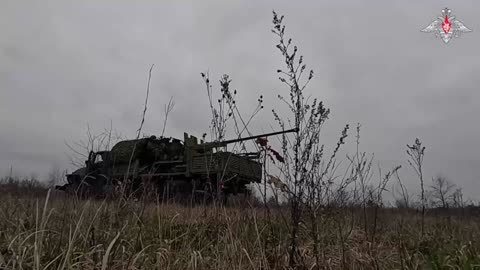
[58,232]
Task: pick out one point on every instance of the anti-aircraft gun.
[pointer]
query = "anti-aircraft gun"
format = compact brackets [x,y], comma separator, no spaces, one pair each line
[169,165]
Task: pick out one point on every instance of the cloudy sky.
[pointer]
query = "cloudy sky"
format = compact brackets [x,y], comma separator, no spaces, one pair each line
[68,64]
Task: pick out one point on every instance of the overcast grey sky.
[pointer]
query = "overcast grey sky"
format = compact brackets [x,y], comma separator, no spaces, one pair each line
[65,64]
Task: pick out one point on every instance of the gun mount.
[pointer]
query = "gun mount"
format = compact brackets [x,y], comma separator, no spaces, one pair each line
[227,142]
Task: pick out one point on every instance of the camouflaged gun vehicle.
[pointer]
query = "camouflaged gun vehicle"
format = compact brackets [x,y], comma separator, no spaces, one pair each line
[170,167]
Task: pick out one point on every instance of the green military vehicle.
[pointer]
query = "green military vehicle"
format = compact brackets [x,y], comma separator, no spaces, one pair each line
[169,168]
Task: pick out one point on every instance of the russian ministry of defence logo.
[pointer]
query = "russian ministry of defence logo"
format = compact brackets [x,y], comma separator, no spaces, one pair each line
[447,26]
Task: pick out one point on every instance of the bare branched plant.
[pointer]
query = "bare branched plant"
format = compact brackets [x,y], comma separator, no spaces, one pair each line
[93,142]
[55,177]
[416,153]
[363,175]
[126,179]
[458,200]
[302,170]
[226,116]
[139,130]
[442,191]
[225,110]
[168,109]
[402,197]
[377,198]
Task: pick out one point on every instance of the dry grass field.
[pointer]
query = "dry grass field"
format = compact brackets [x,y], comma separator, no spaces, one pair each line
[47,230]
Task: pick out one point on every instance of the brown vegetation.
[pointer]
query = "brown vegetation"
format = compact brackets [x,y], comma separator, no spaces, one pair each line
[52,231]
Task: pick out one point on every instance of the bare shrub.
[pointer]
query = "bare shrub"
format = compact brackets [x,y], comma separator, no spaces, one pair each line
[416,153]
[402,197]
[226,116]
[442,191]
[458,200]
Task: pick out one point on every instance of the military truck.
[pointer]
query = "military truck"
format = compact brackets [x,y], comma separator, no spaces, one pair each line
[169,168]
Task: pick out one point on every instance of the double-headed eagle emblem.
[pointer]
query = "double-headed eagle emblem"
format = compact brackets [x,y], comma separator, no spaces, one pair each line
[447,26]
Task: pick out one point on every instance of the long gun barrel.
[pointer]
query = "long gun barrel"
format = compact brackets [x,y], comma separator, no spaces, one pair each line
[224,143]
